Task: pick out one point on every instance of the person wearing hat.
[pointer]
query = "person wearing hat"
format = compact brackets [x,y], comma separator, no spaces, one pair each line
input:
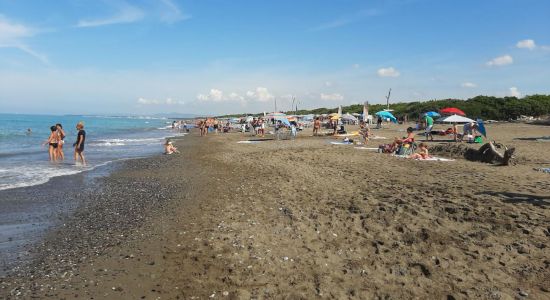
[169,148]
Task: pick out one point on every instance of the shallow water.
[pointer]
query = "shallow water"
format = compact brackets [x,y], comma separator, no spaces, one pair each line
[24,158]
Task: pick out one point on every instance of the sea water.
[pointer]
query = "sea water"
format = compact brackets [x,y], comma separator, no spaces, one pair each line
[24,157]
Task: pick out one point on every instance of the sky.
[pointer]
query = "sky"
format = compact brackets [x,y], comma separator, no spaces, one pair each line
[219,56]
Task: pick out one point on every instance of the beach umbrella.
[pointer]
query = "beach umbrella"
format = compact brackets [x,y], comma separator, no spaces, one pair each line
[481,127]
[457,119]
[249,119]
[365,111]
[386,115]
[283,119]
[432,114]
[452,110]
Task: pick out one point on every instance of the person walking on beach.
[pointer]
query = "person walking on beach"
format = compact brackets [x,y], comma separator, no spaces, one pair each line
[429,125]
[316,126]
[52,142]
[79,145]
[61,134]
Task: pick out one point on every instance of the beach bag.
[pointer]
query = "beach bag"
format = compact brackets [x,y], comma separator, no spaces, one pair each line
[478,140]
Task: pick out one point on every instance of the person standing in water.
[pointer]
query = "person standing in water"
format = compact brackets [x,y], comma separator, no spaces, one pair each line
[52,142]
[79,145]
[61,134]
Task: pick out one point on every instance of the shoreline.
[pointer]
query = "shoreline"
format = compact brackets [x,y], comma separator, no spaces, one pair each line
[299,219]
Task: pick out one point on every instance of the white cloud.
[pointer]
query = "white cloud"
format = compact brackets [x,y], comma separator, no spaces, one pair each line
[126,14]
[260,94]
[12,35]
[332,97]
[167,101]
[514,92]
[328,83]
[235,96]
[388,72]
[347,19]
[468,85]
[526,44]
[500,61]
[171,13]
[356,66]
[214,95]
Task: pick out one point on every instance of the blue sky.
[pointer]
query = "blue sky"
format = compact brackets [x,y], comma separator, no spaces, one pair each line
[153,56]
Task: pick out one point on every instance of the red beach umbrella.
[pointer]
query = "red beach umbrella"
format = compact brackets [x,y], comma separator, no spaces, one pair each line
[451,111]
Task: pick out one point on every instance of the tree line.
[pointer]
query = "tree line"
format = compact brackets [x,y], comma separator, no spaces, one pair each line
[485,107]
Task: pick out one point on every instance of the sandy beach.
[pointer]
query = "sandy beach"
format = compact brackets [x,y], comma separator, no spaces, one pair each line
[303,219]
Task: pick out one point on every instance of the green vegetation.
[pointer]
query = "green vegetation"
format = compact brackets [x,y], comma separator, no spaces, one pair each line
[485,107]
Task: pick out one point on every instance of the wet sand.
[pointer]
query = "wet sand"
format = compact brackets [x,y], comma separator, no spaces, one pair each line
[304,219]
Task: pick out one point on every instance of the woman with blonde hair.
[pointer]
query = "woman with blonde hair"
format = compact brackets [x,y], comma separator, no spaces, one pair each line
[79,144]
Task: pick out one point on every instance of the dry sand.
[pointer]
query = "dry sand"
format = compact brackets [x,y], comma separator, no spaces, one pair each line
[305,219]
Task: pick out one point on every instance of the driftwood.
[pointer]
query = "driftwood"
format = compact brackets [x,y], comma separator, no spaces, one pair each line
[487,153]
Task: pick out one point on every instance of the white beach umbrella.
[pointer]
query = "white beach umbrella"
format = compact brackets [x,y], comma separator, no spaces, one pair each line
[457,119]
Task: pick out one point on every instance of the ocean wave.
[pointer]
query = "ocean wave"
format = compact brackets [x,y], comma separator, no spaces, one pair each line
[29,176]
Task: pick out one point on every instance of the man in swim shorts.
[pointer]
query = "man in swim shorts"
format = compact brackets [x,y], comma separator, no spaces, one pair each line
[429,125]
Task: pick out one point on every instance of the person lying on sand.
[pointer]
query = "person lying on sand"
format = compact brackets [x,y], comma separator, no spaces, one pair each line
[422,154]
[169,148]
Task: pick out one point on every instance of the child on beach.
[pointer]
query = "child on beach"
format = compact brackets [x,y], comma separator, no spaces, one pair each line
[79,144]
[169,148]
[422,154]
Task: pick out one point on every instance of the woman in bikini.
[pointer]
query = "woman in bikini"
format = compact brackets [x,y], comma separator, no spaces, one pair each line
[409,139]
[53,143]
[61,134]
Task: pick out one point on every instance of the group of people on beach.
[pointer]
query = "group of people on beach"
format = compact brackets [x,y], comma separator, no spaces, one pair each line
[56,141]
[212,125]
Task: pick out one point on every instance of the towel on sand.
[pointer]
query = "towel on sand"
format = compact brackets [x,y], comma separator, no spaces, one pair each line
[433,158]
[341,143]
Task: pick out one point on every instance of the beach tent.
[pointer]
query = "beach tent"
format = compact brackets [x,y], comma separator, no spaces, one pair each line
[457,119]
[308,117]
[275,114]
[386,115]
[349,117]
[432,114]
[452,110]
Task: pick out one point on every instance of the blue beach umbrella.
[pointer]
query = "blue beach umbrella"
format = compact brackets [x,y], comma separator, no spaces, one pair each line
[284,120]
[481,127]
[387,114]
[432,114]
